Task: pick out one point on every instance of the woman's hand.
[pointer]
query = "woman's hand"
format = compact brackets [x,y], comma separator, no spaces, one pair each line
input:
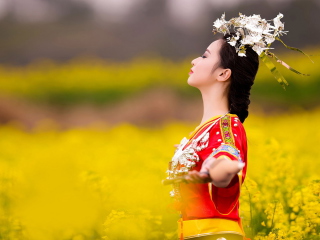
[197,177]
[219,171]
[204,175]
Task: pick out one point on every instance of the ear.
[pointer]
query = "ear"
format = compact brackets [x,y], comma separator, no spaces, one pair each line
[224,75]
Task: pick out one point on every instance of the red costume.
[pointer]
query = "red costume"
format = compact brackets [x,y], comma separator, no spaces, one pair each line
[219,136]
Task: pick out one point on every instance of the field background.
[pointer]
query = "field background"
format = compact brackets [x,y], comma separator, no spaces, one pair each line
[92,100]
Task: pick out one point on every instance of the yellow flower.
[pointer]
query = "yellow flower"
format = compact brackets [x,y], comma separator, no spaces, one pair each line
[295,209]
[292,216]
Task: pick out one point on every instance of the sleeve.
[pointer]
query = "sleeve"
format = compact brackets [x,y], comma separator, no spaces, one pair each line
[229,140]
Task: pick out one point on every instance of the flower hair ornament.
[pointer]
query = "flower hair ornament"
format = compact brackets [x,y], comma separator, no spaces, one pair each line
[259,34]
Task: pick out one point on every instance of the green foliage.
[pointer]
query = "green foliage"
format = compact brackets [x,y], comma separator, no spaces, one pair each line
[102,82]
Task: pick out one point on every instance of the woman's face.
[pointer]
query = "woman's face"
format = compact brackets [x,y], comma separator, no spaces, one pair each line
[206,67]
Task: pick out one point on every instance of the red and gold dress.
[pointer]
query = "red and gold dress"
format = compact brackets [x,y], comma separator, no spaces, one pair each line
[207,210]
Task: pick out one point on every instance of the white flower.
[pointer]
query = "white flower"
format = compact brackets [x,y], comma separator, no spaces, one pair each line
[278,25]
[234,39]
[252,30]
[241,21]
[233,42]
[258,49]
[269,39]
[218,23]
[250,40]
[241,32]
[255,16]
[260,43]
[221,25]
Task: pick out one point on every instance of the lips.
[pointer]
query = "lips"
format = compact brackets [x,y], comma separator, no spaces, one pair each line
[190,71]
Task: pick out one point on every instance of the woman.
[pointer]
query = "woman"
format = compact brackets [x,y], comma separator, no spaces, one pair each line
[209,167]
[213,159]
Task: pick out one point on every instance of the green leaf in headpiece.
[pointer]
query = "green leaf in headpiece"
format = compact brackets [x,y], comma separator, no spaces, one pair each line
[285,64]
[267,61]
[294,49]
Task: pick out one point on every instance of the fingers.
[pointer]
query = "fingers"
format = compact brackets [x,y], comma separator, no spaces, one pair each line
[241,165]
[197,177]
[235,166]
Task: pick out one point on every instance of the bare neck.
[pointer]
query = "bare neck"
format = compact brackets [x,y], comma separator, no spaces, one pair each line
[215,102]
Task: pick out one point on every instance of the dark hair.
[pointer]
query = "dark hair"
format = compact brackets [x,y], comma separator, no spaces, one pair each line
[243,72]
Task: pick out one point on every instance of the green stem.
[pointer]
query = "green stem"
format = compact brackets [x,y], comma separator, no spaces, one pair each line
[274,210]
[250,210]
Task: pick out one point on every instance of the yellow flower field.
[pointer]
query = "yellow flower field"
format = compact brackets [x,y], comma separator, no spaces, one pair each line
[98,181]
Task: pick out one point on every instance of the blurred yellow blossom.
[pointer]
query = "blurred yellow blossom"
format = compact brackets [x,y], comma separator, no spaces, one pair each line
[94,182]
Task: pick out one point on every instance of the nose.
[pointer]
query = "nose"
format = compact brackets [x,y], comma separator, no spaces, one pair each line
[193,62]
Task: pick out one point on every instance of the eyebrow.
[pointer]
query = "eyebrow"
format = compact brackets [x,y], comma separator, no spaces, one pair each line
[208,51]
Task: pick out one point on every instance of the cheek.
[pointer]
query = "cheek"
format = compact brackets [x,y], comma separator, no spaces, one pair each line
[200,78]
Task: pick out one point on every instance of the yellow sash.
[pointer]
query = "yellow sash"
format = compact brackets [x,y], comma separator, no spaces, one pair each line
[209,226]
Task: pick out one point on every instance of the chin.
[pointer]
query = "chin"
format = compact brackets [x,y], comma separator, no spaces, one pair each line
[191,83]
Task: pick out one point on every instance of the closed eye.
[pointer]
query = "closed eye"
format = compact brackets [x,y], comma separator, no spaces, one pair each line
[203,56]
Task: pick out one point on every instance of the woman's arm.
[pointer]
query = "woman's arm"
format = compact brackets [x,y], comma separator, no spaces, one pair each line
[225,155]
[220,171]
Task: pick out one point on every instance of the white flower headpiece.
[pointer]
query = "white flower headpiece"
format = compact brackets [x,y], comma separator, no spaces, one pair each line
[257,33]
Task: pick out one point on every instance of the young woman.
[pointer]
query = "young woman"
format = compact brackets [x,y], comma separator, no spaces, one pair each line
[209,167]
[213,159]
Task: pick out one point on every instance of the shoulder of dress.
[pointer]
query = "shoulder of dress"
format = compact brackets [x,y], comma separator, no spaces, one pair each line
[229,122]
[230,125]
[232,121]
[232,116]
